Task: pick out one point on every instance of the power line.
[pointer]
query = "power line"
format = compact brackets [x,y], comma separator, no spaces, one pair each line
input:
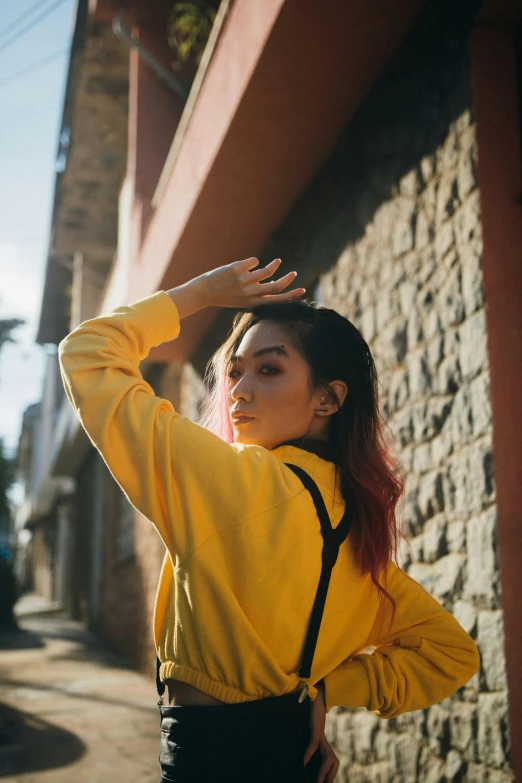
[33,66]
[20,19]
[31,24]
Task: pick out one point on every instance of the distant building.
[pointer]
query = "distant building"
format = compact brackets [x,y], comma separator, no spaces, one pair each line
[42,511]
[375,148]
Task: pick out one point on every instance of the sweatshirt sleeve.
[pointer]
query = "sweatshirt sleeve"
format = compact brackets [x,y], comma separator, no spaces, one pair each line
[421,659]
[179,475]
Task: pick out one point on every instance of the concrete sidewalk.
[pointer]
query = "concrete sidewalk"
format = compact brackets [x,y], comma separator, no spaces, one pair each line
[69,711]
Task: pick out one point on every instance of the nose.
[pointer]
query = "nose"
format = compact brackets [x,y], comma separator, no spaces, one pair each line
[240,390]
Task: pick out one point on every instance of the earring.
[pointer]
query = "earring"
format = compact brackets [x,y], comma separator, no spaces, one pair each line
[320,409]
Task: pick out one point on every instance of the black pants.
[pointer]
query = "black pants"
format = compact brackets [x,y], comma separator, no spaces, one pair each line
[262,741]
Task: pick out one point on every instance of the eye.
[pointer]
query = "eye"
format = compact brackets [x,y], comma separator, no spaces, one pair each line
[273,371]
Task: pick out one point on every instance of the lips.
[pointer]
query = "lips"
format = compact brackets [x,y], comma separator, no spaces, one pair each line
[240,418]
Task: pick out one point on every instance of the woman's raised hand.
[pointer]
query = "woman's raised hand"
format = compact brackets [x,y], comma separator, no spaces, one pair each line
[241,285]
[237,284]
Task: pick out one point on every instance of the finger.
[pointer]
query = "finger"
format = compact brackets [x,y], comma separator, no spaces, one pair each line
[310,752]
[288,296]
[327,770]
[330,762]
[330,778]
[253,286]
[262,274]
[247,263]
[278,285]
[323,770]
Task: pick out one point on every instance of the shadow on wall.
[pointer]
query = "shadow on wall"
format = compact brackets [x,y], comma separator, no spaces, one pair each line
[404,118]
[30,744]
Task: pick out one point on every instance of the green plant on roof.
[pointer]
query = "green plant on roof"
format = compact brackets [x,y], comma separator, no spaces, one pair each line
[189,27]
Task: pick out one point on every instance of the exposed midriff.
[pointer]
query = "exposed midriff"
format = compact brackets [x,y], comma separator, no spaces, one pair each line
[181,693]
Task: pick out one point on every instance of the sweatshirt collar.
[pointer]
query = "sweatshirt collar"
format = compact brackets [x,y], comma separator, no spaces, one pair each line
[321,470]
[318,446]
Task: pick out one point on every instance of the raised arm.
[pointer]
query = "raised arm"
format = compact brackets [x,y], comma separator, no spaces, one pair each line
[423,658]
[182,477]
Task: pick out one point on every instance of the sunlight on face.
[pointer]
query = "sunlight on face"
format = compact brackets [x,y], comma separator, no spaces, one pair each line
[270,387]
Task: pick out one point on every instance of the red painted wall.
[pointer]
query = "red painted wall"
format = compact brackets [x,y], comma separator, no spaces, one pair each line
[500,179]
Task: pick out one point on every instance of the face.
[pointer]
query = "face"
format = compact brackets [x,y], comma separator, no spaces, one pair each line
[268,381]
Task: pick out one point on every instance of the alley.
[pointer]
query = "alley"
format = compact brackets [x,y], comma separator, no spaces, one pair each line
[68,709]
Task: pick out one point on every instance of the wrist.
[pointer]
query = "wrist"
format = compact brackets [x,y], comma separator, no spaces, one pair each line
[190,297]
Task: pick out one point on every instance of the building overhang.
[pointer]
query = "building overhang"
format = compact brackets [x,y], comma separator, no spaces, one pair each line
[285,77]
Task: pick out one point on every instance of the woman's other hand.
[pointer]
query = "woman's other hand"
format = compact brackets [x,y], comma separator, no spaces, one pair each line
[330,762]
[235,285]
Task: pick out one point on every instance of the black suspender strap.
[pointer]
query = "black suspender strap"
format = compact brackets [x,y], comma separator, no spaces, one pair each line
[332,540]
[160,686]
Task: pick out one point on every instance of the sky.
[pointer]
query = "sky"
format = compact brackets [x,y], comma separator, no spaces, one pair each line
[30,117]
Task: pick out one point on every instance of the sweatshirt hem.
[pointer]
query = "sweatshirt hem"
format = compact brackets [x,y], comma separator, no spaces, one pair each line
[218,690]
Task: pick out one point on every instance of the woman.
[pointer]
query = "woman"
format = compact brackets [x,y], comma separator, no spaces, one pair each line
[291,433]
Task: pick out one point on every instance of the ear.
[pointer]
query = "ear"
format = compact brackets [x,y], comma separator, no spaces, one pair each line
[329,405]
[341,389]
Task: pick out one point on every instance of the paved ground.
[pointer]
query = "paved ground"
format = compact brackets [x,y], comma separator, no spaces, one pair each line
[69,712]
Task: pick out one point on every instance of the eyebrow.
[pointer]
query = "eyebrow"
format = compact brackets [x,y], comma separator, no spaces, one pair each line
[269,349]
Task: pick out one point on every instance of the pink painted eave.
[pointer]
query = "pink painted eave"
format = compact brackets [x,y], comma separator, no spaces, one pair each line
[237,54]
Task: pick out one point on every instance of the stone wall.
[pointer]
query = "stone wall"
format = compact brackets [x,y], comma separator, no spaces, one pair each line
[390,231]
[412,284]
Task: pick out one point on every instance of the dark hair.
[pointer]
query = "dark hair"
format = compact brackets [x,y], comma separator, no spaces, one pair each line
[334,349]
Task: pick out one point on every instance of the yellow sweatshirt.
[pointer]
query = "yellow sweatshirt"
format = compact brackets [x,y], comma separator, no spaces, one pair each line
[243,546]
